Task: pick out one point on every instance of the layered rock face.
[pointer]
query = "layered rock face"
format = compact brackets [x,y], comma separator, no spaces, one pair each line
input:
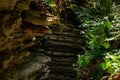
[62,48]
[27,52]
[19,27]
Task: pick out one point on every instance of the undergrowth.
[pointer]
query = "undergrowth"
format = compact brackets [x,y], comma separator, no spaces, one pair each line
[102,34]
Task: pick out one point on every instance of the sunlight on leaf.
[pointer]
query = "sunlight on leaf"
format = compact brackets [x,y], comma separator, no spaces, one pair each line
[83,60]
[108,25]
[114,58]
[106,65]
[106,45]
[52,5]
[111,70]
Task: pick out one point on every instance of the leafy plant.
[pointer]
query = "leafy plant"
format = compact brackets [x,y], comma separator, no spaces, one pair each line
[106,7]
[111,63]
[83,61]
[96,33]
[100,33]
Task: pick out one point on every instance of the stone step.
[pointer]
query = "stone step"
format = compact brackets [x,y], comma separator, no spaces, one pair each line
[68,34]
[59,77]
[63,49]
[63,43]
[60,54]
[64,59]
[66,64]
[68,39]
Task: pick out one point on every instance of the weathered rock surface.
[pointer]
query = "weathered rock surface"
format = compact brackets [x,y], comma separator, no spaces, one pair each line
[25,54]
[33,66]
[7,4]
[20,26]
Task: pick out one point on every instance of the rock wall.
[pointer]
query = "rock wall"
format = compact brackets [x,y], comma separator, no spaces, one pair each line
[20,24]
[27,52]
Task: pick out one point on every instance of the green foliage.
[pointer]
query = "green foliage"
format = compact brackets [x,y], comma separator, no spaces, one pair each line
[106,7]
[83,60]
[110,65]
[96,33]
[111,62]
[78,72]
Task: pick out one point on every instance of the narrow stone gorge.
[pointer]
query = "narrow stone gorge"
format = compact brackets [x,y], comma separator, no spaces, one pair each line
[31,47]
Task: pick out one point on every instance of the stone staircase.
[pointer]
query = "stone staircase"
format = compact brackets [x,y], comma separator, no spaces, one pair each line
[63,48]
